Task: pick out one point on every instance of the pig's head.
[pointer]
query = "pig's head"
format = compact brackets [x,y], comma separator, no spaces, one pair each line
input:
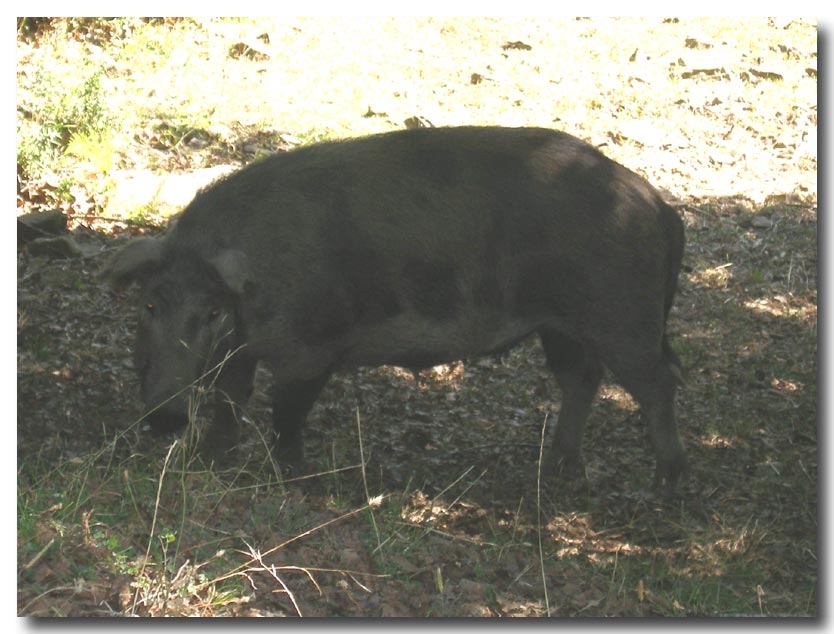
[188,321]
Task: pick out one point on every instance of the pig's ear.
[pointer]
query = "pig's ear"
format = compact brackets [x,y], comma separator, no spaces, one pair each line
[233,268]
[132,263]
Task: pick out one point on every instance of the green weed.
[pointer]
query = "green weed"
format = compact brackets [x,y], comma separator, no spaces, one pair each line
[64,120]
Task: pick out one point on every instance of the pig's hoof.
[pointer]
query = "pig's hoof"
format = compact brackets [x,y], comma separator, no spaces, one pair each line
[290,460]
[165,422]
[219,455]
[291,469]
[668,474]
[563,466]
[219,442]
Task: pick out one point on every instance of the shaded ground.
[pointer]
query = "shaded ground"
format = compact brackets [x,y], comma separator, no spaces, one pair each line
[455,450]
[113,520]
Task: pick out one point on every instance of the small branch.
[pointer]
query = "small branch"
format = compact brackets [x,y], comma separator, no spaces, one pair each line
[37,557]
[539,515]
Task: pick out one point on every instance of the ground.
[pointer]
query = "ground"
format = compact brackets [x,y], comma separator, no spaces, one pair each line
[423,495]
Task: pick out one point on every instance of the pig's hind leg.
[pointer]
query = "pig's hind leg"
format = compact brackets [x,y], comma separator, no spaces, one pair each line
[651,373]
[578,372]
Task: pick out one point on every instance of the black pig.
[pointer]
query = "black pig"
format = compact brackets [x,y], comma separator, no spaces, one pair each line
[413,248]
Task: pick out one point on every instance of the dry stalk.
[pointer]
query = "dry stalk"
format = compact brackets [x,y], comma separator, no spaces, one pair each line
[539,515]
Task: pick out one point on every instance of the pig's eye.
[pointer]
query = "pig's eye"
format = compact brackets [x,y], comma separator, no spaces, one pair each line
[214,313]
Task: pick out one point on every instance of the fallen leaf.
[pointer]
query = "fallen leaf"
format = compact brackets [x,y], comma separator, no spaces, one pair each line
[516,46]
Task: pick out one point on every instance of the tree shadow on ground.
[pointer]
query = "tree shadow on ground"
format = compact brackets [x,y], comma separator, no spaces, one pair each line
[455,449]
